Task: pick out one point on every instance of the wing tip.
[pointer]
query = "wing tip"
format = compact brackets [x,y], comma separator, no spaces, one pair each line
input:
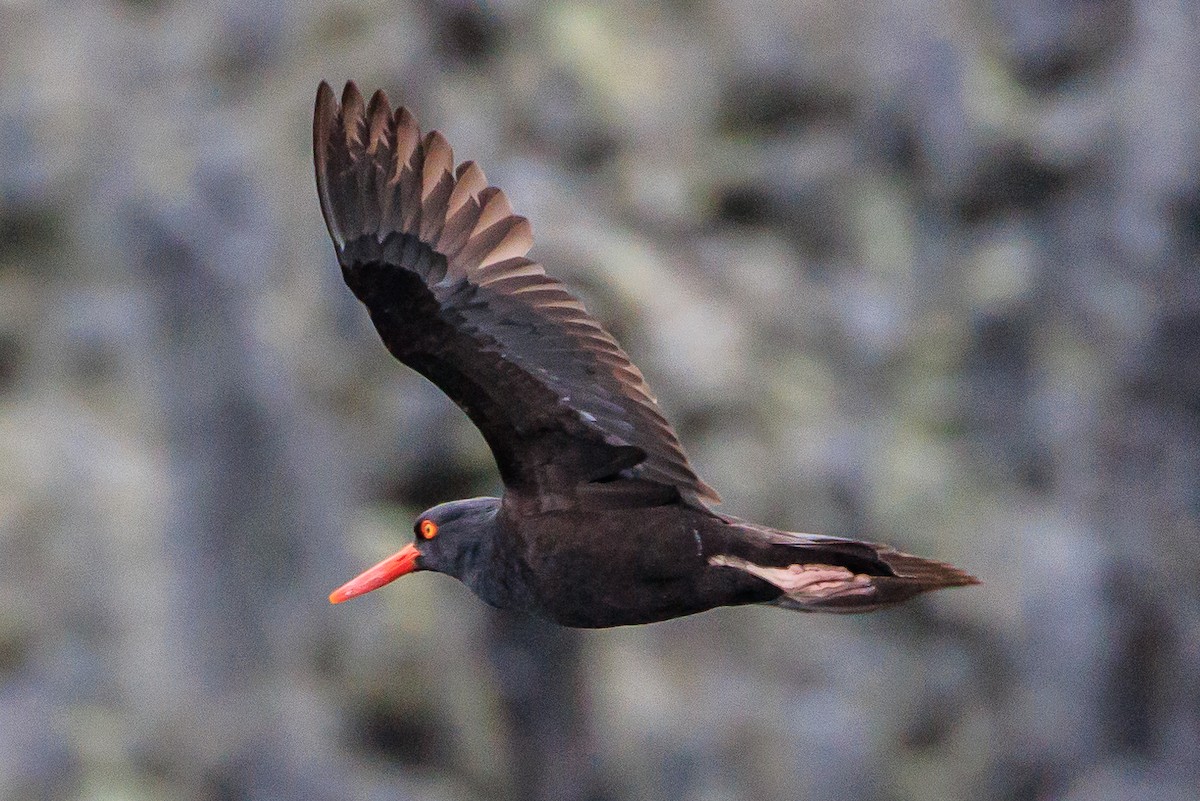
[379,103]
[353,182]
[706,493]
[324,121]
[351,97]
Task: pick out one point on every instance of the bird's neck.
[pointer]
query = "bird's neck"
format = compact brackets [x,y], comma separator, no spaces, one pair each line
[475,560]
[491,568]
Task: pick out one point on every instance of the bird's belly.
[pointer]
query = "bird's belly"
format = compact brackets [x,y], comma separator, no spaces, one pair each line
[636,605]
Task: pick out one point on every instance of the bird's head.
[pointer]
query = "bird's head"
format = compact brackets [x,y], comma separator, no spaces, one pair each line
[449,539]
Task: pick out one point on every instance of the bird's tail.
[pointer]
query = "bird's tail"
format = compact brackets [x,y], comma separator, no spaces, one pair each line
[831,574]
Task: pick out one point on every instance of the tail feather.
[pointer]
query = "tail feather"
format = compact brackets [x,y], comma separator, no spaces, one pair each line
[864,592]
[931,574]
[831,574]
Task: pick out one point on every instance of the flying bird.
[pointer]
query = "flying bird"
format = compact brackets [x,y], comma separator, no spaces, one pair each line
[602,522]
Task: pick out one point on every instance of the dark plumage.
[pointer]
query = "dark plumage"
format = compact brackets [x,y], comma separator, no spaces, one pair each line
[603,521]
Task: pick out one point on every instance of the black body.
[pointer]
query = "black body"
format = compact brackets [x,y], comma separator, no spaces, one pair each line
[603,521]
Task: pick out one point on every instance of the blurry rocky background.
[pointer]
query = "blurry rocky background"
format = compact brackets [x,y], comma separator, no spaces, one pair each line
[923,272]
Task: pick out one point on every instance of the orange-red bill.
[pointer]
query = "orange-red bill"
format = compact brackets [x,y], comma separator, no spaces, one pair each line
[373,578]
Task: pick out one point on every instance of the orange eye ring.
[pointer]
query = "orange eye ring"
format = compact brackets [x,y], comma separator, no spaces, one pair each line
[428,529]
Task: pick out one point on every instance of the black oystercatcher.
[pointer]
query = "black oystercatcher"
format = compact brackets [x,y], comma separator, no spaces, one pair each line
[603,522]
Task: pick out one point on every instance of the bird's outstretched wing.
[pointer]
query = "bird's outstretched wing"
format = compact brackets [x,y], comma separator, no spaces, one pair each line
[438,258]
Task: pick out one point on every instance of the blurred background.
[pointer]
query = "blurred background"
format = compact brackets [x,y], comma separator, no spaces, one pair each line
[920,272]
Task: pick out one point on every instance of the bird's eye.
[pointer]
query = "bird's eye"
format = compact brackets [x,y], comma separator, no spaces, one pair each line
[428,529]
